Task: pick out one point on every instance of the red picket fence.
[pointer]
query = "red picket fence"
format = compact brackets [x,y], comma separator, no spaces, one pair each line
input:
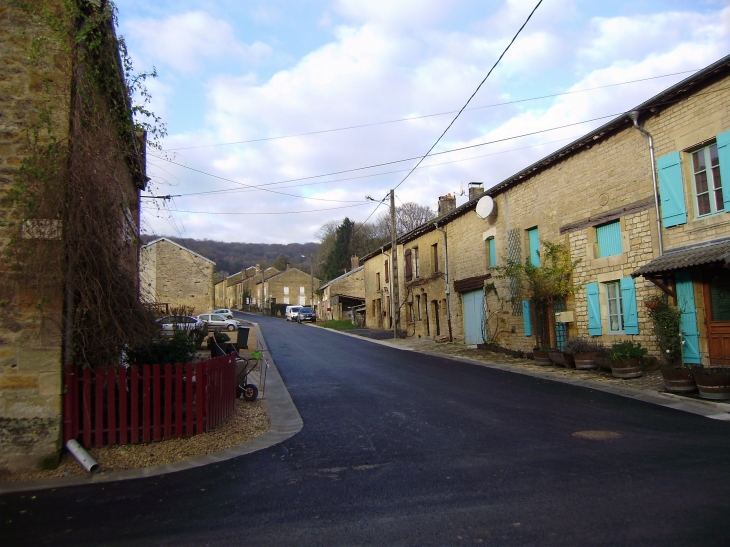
[115,405]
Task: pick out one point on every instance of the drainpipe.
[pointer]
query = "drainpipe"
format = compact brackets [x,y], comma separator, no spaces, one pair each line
[634,115]
[446,279]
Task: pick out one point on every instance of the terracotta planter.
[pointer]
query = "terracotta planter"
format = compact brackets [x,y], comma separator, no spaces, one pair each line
[541,358]
[713,386]
[652,304]
[602,361]
[562,359]
[585,361]
[679,380]
[627,368]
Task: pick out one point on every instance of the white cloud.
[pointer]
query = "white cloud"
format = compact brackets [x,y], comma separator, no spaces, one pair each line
[186,41]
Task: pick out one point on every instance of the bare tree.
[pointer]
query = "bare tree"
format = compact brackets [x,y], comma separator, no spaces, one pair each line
[408,216]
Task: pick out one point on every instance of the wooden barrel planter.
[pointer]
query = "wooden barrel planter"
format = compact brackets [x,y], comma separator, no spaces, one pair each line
[542,358]
[602,361]
[562,359]
[585,361]
[713,385]
[679,380]
[627,368]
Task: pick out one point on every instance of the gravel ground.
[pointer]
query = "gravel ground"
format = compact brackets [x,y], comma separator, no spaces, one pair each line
[248,422]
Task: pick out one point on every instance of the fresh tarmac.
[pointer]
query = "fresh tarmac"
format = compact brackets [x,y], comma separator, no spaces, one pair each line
[402,448]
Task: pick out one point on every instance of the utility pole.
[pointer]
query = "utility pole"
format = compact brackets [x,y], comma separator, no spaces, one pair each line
[394,261]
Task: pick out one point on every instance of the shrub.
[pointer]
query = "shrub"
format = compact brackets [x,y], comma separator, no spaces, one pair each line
[580,345]
[627,350]
[665,326]
[180,348]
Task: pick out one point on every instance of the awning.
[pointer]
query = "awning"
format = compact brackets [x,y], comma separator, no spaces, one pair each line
[471,283]
[709,252]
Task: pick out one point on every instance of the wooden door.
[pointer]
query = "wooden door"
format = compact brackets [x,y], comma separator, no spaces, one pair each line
[716,289]
[473,311]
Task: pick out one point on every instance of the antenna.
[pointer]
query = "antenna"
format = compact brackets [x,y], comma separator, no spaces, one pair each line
[485,207]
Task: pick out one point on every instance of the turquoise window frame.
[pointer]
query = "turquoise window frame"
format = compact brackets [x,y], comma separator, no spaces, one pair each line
[533,239]
[713,180]
[615,308]
[491,252]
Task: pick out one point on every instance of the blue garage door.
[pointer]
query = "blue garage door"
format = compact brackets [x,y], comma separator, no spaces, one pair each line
[473,303]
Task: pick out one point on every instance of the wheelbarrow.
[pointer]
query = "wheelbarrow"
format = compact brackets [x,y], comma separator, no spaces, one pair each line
[244,389]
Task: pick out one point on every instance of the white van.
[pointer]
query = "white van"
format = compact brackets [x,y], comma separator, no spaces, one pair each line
[292,312]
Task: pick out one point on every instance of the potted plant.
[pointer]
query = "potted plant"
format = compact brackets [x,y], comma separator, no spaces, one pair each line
[559,357]
[713,382]
[625,359]
[541,355]
[677,377]
[583,352]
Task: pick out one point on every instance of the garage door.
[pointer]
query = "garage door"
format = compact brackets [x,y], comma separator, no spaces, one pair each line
[473,307]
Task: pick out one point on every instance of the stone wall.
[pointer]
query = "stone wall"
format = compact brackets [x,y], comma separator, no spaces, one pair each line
[377,312]
[180,276]
[288,285]
[350,285]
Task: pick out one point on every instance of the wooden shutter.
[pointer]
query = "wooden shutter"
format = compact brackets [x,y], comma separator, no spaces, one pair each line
[609,239]
[723,154]
[534,240]
[628,301]
[387,272]
[408,265]
[671,190]
[688,319]
[526,317]
[492,252]
[594,309]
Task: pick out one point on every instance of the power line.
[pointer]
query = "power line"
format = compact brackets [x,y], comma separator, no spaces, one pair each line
[472,95]
[412,118]
[271,213]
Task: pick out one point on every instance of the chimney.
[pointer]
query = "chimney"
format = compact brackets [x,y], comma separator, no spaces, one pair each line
[447,204]
[354,262]
[475,189]
[288,265]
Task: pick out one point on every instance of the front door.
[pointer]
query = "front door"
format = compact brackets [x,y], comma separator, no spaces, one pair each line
[473,307]
[717,306]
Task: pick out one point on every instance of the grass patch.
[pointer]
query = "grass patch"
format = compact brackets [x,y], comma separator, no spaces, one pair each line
[337,324]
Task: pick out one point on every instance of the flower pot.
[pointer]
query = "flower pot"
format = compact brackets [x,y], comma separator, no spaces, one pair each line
[541,358]
[652,304]
[679,380]
[562,359]
[602,361]
[627,368]
[713,385]
[584,361]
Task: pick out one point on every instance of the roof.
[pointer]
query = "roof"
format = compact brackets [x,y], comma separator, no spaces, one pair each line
[649,108]
[177,245]
[341,277]
[285,272]
[699,254]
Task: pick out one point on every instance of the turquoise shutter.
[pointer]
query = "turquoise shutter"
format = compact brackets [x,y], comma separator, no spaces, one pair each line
[609,239]
[688,320]
[628,301]
[723,153]
[534,239]
[671,190]
[526,318]
[594,310]
[492,252]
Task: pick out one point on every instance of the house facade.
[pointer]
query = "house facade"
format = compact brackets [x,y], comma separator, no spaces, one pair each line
[292,286]
[595,196]
[172,274]
[341,294]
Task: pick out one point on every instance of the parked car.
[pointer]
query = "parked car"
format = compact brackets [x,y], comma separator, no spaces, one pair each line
[292,312]
[192,325]
[216,321]
[228,314]
[306,314]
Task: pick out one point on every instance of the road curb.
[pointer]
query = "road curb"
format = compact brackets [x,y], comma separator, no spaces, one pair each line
[708,409]
[283,415]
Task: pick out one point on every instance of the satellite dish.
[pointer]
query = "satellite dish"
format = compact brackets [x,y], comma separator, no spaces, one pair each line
[485,206]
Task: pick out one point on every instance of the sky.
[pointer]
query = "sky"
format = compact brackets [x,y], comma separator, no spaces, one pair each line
[261,99]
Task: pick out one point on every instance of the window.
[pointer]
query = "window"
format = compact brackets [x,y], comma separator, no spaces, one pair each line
[417,262]
[286,300]
[286,290]
[615,308]
[491,252]
[435,257]
[302,300]
[409,264]
[387,275]
[377,281]
[301,290]
[707,183]
[609,239]
[411,317]
[533,242]
[418,307]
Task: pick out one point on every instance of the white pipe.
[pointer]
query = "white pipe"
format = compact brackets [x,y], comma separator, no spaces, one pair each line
[82,456]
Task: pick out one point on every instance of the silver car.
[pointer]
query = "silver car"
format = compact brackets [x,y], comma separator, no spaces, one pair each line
[216,321]
[170,323]
[228,314]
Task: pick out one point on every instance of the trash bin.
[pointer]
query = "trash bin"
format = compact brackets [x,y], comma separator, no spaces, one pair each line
[242,340]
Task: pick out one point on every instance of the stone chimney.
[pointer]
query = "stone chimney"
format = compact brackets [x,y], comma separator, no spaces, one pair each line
[447,204]
[354,262]
[475,189]
[288,265]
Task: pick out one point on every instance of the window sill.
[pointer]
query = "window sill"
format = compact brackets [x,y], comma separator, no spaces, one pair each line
[608,261]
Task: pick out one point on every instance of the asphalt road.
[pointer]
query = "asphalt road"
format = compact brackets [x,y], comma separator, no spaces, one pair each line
[400,448]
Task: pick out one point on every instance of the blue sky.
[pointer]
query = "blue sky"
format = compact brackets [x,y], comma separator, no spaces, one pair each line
[240,71]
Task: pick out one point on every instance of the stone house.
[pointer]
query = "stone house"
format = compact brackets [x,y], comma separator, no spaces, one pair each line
[596,196]
[108,160]
[172,274]
[377,274]
[343,293]
[292,286]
